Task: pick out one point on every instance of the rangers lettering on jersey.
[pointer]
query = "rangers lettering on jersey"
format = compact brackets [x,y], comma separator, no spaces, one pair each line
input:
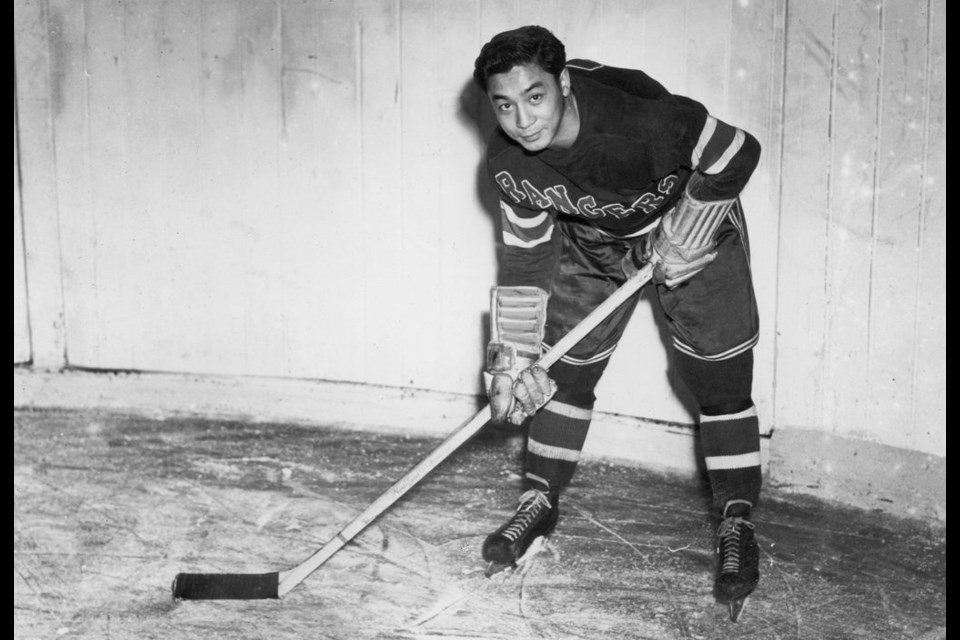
[557,197]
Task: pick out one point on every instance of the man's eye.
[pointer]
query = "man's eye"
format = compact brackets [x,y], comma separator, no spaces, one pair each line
[503,107]
[535,98]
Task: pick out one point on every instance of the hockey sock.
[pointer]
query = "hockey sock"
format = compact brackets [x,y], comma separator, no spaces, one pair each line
[731,450]
[559,429]
[556,437]
[729,428]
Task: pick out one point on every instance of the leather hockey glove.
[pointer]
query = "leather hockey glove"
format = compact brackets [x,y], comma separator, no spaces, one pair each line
[683,244]
[515,388]
[514,401]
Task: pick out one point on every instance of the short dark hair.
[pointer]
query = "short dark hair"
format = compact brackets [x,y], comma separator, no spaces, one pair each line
[525,45]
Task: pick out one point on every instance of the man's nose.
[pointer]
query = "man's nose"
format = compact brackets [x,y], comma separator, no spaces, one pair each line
[524,118]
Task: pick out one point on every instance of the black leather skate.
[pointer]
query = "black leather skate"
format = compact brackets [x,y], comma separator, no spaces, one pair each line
[739,556]
[535,517]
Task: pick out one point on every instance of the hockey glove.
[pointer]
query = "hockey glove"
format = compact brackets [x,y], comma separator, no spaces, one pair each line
[517,320]
[514,401]
[683,243]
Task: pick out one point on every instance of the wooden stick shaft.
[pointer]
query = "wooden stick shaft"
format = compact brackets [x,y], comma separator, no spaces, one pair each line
[291,578]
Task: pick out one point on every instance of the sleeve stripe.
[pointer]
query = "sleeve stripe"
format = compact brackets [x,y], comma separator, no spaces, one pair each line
[728,154]
[511,240]
[708,128]
[524,223]
[525,232]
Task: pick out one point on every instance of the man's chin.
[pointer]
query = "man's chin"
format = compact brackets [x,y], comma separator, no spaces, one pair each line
[532,146]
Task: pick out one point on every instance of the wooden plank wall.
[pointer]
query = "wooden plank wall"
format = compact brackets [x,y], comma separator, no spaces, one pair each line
[861,333]
[292,188]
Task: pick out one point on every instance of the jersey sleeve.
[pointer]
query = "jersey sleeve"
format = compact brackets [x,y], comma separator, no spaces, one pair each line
[726,157]
[529,244]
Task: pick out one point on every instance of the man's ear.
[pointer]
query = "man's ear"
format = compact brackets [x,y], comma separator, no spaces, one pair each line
[565,83]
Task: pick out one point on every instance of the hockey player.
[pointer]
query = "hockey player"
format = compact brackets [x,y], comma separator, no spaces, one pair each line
[601,170]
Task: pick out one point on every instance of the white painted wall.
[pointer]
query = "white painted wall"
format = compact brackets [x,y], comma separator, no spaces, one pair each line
[292,189]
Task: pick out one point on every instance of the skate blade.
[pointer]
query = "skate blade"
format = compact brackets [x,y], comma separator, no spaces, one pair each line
[522,563]
[495,568]
[736,608]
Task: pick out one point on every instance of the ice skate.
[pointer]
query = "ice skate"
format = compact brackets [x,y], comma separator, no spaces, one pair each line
[535,518]
[739,557]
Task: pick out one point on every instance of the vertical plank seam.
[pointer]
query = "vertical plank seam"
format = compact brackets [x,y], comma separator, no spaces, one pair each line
[826,345]
[19,176]
[365,352]
[875,206]
[785,26]
[60,324]
[121,66]
[398,133]
[317,35]
[278,143]
[87,179]
[921,222]
[282,69]
[685,54]
[728,60]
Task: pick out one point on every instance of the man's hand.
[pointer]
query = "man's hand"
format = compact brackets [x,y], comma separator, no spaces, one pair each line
[514,401]
[516,389]
[684,243]
[674,263]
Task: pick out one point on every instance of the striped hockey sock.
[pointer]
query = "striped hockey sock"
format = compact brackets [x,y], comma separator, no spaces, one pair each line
[556,437]
[731,449]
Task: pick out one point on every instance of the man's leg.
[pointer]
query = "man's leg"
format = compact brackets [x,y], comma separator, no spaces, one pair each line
[558,431]
[588,271]
[713,317]
[554,441]
[729,427]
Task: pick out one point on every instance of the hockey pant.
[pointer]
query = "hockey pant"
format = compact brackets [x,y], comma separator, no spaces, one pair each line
[714,326]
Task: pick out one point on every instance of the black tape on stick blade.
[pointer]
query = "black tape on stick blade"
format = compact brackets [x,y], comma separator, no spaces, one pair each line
[226,586]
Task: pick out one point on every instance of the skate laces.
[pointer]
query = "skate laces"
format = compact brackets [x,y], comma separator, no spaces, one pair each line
[532,505]
[729,534]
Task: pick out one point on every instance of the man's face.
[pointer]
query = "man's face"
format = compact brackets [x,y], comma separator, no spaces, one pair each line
[530,105]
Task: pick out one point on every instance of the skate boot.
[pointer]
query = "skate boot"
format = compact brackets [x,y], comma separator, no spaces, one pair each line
[535,517]
[739,556]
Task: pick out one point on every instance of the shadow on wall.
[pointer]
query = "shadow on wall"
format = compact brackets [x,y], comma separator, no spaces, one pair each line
[475,114]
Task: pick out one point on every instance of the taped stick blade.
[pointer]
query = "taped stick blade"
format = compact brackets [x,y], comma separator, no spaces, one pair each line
[226,586]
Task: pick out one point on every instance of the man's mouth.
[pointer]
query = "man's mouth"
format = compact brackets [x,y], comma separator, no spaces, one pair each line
[531,137]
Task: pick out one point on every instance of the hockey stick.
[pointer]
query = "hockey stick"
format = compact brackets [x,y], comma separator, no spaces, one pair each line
[259,586]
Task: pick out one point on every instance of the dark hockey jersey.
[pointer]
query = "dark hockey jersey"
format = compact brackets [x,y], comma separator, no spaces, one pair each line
[635,151]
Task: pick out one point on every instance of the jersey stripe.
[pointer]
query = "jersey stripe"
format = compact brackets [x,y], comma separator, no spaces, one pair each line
[514,241]
[524,223]
[732,149]
[718,144]
[751,342]
[525,232]
[705,135]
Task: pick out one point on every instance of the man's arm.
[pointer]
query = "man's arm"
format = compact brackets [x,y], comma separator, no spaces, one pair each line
[683,243]
[529,247]
[726,157]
